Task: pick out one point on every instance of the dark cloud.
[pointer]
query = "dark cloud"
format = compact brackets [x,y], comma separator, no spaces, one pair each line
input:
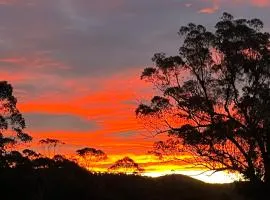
[58,122]
[101,37]
[93,40]
[127,134]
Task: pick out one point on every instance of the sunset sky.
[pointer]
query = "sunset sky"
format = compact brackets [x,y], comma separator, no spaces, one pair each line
[75,64]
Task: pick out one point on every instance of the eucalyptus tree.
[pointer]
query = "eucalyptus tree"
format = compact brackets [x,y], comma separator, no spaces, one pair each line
[91,155]
[126,165]
[51,143]
[12,123]
[213,97]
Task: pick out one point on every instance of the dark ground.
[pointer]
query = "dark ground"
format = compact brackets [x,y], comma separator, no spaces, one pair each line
[76,183]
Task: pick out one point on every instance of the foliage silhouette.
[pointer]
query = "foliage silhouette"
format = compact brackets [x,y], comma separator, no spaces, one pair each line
[30,154]
[215,96]
[91,155]
[12,122]
[59,178]
[51,143]
[126,165]
[168,148]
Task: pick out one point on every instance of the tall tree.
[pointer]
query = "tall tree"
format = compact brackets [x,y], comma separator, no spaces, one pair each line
[214,96]
[91,155]
[50,143]
[126,165]
[12,122]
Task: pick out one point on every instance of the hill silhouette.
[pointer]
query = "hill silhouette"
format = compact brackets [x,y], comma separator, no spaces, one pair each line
[73,182]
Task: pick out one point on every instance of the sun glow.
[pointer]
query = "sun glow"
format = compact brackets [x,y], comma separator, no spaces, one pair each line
[208,177]
[154,167]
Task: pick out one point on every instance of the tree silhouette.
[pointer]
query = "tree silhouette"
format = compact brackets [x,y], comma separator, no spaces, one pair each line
[215,96]
[43,163]
[12,122]
[91,155]
[126,165]
[50,144]
[31,154]
[15,159]
[169,148]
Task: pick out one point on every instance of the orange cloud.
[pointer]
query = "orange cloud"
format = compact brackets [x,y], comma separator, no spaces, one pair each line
[108,101]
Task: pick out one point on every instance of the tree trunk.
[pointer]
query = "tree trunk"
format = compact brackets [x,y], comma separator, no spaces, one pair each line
[267,170]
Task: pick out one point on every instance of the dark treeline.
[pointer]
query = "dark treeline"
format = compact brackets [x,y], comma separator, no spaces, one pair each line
[68,181]
[59,178]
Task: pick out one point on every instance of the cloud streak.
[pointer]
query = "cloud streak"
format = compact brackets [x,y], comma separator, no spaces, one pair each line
[76,63]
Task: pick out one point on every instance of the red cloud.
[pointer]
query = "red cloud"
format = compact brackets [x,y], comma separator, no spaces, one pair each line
[109,101]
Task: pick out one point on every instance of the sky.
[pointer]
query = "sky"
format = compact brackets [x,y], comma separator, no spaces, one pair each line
[75,64]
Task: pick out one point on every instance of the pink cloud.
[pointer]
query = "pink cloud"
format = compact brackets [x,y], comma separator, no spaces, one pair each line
[12,2]
[217,4]
[260,3]
[7,2]
[34,62]
[210,10]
